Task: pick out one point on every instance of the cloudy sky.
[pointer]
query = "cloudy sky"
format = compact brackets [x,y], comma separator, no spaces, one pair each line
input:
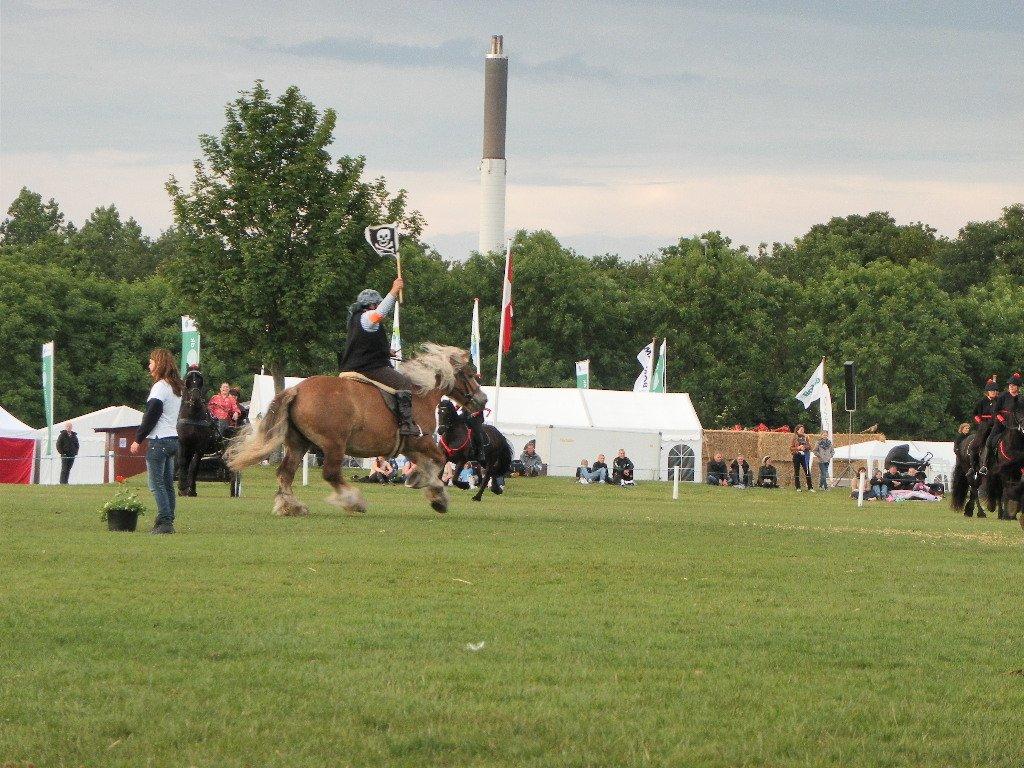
[629,124]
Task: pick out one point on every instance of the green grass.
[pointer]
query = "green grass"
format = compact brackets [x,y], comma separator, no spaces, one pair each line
[729,628]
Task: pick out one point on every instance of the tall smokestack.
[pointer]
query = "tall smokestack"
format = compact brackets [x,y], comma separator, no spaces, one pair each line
[492,166]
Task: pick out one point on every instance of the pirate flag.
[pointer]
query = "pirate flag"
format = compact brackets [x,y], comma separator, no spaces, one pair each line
[383,239]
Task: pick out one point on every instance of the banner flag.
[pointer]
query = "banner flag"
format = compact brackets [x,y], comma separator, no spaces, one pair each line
[383,239]
[396,340]
[825,403]
[474,338]
[48,394]
[658,382]
[812,389]
[645,358]
[583,374]
[189,344]
[506,302]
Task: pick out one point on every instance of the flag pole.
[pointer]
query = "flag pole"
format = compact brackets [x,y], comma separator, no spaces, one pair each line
[501,331]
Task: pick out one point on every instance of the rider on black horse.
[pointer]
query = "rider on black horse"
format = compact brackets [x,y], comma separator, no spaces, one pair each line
[368,351]
[1004,407]
[475,422]
[985,414]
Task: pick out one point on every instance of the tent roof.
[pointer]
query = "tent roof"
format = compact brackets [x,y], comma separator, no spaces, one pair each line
[670,413]
[12,427]
[111,417]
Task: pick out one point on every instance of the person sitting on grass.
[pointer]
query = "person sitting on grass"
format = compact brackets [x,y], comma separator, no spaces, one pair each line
[601,468]
[718,473]
[622,469]
[595,474]
[380,471]
[739,472]
[531,460]
[448,473]
[892,479]
[469,476]
[879,487]
[767,475]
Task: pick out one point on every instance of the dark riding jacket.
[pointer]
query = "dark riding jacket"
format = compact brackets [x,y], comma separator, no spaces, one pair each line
[985,410]
[1006,404]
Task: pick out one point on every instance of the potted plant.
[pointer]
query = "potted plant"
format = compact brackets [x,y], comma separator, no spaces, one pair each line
[122,512]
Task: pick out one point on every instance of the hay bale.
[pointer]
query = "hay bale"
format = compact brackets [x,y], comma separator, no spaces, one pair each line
[756,445]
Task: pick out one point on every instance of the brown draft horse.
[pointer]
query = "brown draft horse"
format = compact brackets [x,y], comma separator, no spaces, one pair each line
[345,416]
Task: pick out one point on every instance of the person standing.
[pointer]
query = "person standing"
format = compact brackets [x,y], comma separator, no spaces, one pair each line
[823,452]
[160,425]
[800,447]
[67,447]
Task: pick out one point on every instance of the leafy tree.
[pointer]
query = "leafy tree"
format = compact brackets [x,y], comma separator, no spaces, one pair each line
[272,234]
[111,248]
[30,220]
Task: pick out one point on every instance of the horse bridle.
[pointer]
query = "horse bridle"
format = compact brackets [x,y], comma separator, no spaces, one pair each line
[465,396]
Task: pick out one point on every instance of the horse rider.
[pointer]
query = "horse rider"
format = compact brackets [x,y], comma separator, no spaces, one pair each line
[1005,405]
[368,351]
[475,422]
[984,415]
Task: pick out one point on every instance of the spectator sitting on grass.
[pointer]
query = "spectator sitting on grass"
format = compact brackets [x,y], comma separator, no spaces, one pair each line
[469,476]
[739,472]
[622,469]
[587,475]
[599,466]
[718,473]
[892,480]
[531,460]
[380,471]
[767,475]
[879,487]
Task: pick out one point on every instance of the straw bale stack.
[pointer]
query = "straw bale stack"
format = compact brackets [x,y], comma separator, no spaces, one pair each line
[756,445]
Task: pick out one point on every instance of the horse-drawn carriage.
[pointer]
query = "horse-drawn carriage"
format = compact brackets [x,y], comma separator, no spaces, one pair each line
[203,442]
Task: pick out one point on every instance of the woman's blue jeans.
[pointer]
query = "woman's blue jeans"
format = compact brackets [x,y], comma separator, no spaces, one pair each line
[160,456]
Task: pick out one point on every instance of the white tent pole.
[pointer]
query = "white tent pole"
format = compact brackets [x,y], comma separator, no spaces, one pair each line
[305,468]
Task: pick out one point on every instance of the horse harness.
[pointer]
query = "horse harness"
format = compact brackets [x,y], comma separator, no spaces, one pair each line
[448,450]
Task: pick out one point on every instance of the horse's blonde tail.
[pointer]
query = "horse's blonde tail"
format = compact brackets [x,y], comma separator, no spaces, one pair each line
[254,445]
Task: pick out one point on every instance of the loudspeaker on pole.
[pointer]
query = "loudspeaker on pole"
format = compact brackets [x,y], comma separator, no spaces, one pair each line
[850,371]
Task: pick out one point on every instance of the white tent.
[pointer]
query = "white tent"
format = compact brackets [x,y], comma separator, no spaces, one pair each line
[88,467]
[667,419]
[17,449]
[942,460]
[263,393]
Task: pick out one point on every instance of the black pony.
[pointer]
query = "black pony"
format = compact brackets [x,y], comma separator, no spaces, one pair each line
[456,442]
[965,496]
[1006,481]
[198,436]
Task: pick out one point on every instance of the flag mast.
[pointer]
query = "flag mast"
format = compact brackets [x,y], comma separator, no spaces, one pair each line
[506,298]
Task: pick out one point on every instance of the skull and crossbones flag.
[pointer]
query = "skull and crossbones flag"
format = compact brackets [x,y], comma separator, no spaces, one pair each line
[383,239]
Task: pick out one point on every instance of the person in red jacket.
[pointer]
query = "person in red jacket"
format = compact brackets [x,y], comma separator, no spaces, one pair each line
[224,408]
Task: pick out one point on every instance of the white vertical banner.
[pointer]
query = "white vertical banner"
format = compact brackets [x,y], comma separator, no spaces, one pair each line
[825,403]
[474,338]
[645,358]
[812,389]
[396,340]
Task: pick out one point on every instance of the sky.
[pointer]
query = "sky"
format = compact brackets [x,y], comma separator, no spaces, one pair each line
[630,125]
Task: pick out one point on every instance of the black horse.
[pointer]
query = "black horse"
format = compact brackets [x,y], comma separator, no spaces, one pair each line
[198,436]
[966,484]
[456,442]
[1005,481]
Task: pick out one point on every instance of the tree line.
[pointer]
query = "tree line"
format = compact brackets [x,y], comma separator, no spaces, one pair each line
[267,252]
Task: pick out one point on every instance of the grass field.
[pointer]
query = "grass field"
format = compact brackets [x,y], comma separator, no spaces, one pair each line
[729,628]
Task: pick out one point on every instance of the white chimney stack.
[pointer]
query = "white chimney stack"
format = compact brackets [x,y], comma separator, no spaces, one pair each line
[492,166]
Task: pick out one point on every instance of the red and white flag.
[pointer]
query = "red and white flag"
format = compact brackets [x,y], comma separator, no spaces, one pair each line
[506,302]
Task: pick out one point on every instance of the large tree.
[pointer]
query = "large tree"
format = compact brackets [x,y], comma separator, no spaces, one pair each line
[272,234]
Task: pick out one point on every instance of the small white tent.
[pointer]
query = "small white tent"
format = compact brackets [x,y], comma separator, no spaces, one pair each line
[661,424]
[17,449]
[263,393]
[873,452]
[88,467]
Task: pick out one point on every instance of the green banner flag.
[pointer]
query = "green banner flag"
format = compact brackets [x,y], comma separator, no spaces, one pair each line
[189,343]
[48,394]
[583,374]
[658,380]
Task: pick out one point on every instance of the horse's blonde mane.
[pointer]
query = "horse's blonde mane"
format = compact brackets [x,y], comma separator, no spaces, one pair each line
[433,367]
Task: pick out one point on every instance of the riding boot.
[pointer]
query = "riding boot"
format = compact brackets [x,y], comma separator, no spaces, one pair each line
[480,442]
[407,426]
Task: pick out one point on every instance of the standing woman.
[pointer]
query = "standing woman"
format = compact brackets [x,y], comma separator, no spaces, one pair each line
[160,425]
[801,450]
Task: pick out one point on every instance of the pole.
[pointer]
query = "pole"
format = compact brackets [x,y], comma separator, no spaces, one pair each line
[675,483]
[305,468]
[398,263]
[862,477]
[501,331]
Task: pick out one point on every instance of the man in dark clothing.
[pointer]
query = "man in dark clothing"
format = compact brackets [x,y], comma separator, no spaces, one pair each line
[718,473]
[600,464]
[67,447]
[739,472]
[1005,406]
[983,417]
[368,351]
[622,469]
[892,479]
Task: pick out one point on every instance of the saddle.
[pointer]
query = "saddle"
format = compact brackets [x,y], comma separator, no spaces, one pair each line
[386,392]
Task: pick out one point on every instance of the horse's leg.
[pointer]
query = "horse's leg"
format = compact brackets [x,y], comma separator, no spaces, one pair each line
[185,460]
[345,494]
[484,483]
[285,503]
[428,459]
